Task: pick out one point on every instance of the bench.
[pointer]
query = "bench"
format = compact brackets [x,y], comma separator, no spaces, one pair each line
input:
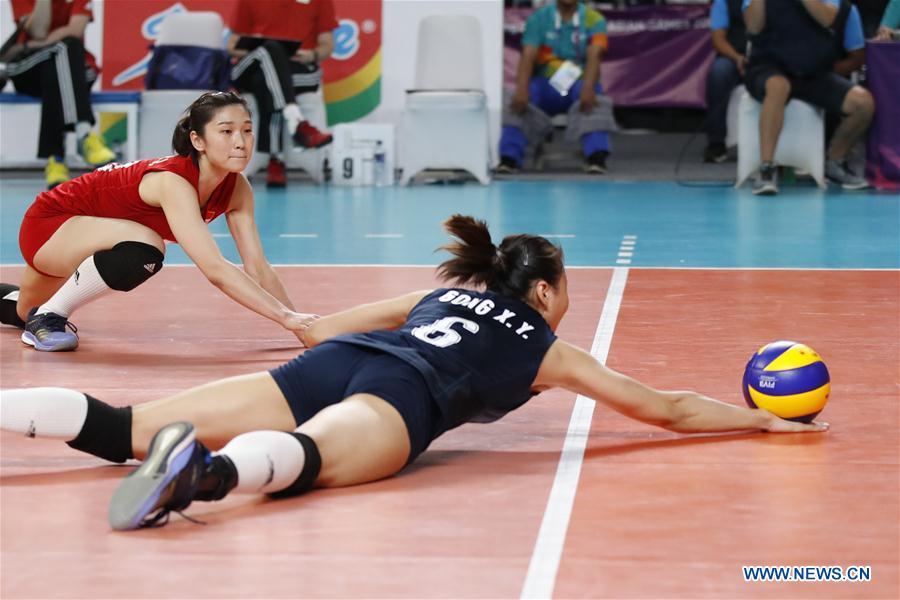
[20,118]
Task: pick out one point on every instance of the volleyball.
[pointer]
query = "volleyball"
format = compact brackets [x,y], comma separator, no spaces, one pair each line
[788,379]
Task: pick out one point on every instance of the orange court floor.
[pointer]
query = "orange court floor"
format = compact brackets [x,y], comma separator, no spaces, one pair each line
[505,510]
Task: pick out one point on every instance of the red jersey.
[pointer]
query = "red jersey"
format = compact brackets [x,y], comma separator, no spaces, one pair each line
[61,11]
[300,20]
[112,191]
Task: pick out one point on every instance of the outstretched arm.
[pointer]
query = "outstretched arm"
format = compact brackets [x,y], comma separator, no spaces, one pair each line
[386,314]
[178,200]
[242,224]
[687,412]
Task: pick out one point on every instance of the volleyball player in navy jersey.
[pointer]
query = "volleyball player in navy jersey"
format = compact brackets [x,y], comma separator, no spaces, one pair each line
[381,382]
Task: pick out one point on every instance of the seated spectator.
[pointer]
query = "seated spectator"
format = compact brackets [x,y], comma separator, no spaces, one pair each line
[870,12]
[890,22]
[274,78]
[729,39]
[793,55]
[559,72]
[52,64]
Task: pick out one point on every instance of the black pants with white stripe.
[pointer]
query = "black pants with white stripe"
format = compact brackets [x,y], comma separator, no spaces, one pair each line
[274,80]
[59,76]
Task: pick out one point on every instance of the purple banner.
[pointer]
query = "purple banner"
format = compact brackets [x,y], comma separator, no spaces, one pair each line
[883,150]
[658,55]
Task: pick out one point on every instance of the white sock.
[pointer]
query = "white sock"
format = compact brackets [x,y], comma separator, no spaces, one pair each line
[293,116]
[82,128]
[43,412]
[266,461]
[84,285]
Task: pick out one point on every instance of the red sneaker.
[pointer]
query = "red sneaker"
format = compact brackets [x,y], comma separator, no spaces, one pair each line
[308,136]
[275,175]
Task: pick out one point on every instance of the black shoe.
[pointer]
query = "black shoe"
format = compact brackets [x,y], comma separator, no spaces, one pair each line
[766,183]
[715,152]
[596,163]
[507,165]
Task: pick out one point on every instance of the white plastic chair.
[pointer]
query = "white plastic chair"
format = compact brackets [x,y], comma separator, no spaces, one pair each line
[731,116]
[801,143]
[161,109]
[311,160]
[445,120]
[198,28]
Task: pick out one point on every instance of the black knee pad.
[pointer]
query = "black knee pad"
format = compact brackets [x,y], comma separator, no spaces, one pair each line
[9,297]
[312,464]
[128,264]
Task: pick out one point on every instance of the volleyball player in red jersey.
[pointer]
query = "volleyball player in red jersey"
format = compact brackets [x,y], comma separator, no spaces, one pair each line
[106,230]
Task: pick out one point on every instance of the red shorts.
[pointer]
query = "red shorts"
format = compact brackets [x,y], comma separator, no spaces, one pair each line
[34,233]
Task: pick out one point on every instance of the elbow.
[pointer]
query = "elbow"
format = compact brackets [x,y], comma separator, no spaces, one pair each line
[313,336]
[677,416]
[217,274]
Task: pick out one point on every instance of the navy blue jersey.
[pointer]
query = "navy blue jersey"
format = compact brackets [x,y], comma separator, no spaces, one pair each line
[479,352]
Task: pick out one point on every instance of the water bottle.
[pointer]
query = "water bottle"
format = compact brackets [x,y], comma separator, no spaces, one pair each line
[379,164]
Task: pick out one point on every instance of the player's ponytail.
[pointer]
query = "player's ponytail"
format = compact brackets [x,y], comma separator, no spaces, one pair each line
[510,269]
[197,115]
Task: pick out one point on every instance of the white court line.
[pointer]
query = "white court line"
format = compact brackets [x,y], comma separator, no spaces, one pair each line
[384,235]
[221,235]
[298,235]
[623,261]
[541,577]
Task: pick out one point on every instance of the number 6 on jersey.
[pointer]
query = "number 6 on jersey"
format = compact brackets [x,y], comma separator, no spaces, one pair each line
[441,332]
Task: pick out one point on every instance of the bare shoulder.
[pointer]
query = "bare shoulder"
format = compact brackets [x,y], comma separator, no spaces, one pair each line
[242,195]
[159,186]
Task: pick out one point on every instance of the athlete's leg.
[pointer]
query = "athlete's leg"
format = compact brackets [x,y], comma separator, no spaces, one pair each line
[221,410]
[93,255]
[360,439]
[34,289]
[82,236]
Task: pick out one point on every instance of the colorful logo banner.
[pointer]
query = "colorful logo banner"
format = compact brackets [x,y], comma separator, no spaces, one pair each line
[351,76]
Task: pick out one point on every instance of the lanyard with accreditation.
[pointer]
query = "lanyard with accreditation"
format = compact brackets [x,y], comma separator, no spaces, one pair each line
[568,72]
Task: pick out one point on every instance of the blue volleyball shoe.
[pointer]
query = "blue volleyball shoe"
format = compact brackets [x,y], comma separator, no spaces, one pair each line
[167,480]
[50,332]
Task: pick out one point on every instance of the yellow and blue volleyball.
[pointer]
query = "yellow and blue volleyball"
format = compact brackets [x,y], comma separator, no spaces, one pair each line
[787,379]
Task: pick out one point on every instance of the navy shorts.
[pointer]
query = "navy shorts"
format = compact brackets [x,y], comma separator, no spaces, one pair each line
[328,373]
[827,91]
